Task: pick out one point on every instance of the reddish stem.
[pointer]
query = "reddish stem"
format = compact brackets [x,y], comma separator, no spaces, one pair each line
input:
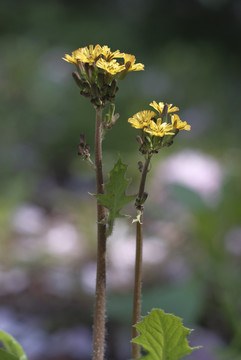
[136,349]
[100,294]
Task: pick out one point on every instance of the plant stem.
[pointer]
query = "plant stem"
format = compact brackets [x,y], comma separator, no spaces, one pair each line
[99,315]
[136,349]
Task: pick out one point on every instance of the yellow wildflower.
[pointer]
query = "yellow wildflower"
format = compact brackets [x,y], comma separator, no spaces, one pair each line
[112,67]
[85,54]
[159,107]
[70,59]
[159,128]
[177,123]
[129,62]
[104,59]
[108,55]
[141,119]
[88,55]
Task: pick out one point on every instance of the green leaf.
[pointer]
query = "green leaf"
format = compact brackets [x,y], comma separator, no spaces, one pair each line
[12,346]
[4,355]
[115,197]
[163,336]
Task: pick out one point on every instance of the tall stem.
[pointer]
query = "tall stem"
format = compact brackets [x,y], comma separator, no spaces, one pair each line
[100,294]
[136,349]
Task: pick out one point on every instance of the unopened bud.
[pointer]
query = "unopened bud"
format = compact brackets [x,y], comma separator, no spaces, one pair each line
[165,110]
[97,102]
[107,118]
[88,70]
[82,139]
[115,117]
[84,149]
[84,93]
[95,90]
[77,79]
[113,87]
[139,139]
[81,67]
[101,79]
[140,166]
[164,113]
[127,65]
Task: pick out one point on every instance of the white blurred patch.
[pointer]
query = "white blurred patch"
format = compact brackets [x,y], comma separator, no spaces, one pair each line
[88,277]
[63,239]
[28,219]
[121,257]
[154,251]
[122,248]
[195,170]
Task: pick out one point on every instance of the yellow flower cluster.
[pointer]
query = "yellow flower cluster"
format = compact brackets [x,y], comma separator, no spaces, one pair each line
[104,59]
[147,120]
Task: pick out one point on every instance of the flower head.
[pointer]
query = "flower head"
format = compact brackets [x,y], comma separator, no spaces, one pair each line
[112,67]
[100,54]
[129,62]
[98,69]
[142,119]
[108,55]
[177,123]
[159,107]
[159,129]
[86,54]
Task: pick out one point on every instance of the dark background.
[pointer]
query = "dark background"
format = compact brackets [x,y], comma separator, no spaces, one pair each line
[191,51]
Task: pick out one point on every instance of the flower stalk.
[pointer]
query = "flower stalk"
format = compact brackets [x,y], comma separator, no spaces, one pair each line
[157,131]
[98,70]
[100,294]
[136,349]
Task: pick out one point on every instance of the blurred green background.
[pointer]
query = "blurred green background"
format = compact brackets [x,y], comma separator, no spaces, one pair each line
[191,51]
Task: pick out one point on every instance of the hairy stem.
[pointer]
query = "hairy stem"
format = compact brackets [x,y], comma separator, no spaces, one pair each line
[100,294]
[136,349]
[137,288]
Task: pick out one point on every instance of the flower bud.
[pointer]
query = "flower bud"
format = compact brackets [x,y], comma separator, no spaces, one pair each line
[164,113]
[95,90]
[82,139]
[113,87]
[77,79]
[88,70]
[81,67]
[85,94]
[101,80]
[139,139]
[140,166]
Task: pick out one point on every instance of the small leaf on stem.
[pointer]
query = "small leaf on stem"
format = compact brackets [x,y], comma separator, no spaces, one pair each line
[115,197]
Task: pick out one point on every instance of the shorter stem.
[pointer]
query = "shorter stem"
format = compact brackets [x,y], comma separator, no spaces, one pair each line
[136,349]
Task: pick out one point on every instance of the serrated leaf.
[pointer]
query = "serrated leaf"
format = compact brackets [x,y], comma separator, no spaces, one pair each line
[163,336]
[4,355]
[12,346]
[115,196]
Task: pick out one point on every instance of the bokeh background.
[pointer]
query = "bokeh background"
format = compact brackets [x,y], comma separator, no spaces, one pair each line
[192,252]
